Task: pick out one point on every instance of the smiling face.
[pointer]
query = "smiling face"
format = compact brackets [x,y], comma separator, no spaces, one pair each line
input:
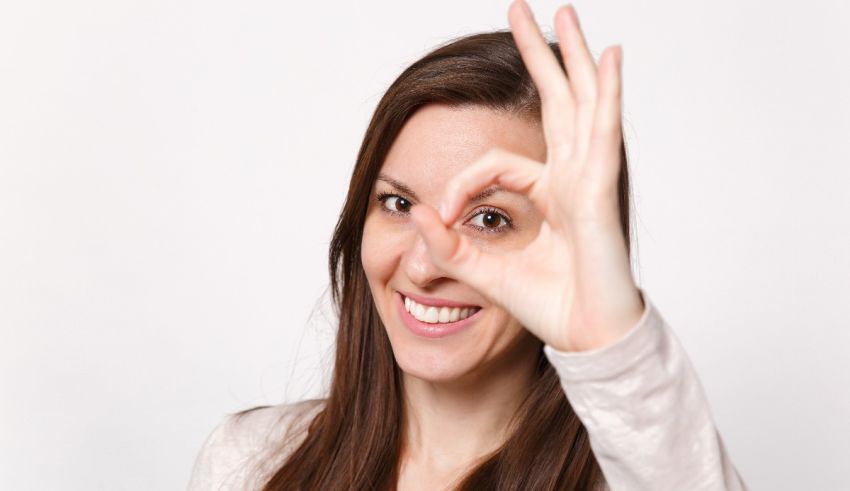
[437,142]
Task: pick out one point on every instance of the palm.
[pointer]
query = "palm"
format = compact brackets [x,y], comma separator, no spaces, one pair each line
[528,277]
[572,285]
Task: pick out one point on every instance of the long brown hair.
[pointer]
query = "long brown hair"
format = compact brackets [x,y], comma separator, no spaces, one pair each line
[355,441]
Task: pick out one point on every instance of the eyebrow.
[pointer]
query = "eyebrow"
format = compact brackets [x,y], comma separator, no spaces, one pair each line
[486,193]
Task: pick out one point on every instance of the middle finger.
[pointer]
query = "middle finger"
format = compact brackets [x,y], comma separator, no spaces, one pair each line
[556,99]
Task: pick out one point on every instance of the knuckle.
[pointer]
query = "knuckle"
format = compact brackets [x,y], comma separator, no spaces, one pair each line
[605,132]
[494,154]
[585,101]
[557,95]
[561,151]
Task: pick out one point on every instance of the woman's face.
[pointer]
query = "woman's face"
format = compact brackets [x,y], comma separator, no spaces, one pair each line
[435,144]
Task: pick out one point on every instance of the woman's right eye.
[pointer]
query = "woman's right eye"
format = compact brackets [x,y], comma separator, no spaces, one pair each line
[394,203]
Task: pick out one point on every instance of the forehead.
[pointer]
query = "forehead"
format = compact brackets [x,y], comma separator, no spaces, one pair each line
[437,141]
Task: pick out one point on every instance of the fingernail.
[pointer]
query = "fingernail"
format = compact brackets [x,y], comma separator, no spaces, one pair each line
[572,10]
[526,8]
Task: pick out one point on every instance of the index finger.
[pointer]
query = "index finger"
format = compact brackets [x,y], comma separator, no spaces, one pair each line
[511,171]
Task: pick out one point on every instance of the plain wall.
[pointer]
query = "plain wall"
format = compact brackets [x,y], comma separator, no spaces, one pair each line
[171,172]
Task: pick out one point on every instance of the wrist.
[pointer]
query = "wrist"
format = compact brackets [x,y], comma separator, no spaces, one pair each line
[603,336]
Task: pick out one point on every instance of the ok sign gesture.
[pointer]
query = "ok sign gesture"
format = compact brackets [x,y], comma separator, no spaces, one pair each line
[572,286]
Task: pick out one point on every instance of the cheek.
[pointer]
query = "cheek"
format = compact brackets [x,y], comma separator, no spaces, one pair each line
[379,250]
[505,327]
[494,334]
[503,337]
[511,241]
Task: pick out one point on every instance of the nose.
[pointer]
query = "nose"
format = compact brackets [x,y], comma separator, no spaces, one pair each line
[418,266]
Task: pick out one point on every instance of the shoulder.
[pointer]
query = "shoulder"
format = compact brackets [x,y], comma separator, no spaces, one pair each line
[245,446]
[263,425]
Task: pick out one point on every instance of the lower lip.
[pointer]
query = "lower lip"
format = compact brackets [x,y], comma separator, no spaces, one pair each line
[428,330]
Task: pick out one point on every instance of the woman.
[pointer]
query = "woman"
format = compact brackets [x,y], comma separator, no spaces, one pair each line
[462,330]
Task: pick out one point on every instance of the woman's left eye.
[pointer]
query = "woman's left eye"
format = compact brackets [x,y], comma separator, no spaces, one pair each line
[490,221]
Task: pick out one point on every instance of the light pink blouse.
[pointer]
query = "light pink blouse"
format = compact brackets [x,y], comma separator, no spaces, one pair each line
[640,399]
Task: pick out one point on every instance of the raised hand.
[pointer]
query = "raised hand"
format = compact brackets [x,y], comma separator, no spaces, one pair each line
[572,286]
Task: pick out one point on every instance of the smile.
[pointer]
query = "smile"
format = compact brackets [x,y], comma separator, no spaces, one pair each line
[434,315]
[437,319]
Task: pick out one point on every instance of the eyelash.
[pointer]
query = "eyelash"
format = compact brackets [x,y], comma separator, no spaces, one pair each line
[382,197]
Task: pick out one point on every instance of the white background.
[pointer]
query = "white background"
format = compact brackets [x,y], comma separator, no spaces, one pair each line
[171,171]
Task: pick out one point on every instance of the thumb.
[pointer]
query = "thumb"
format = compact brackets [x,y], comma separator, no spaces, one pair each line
[454,253]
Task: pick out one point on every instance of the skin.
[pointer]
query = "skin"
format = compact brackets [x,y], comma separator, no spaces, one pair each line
[461,389]
[561,277]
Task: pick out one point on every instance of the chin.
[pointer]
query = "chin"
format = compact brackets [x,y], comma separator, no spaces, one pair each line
[432,364]
[436,360]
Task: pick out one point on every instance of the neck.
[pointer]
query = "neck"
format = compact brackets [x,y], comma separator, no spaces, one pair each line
[452,423]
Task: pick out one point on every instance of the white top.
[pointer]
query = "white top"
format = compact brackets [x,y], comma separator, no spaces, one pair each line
[645,411]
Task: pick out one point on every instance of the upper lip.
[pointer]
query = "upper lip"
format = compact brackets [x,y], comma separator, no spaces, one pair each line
[435,302]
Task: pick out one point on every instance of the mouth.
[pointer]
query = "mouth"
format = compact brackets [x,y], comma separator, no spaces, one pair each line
[436,319]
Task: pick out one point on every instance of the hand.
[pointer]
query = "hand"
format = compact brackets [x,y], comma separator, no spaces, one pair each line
[572,286]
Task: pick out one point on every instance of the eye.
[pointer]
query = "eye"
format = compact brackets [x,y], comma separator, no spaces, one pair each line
[394,203]
[490,220]
[487,220]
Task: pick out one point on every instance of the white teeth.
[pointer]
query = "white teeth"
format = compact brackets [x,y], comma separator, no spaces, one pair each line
[431,315]
[435,315]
